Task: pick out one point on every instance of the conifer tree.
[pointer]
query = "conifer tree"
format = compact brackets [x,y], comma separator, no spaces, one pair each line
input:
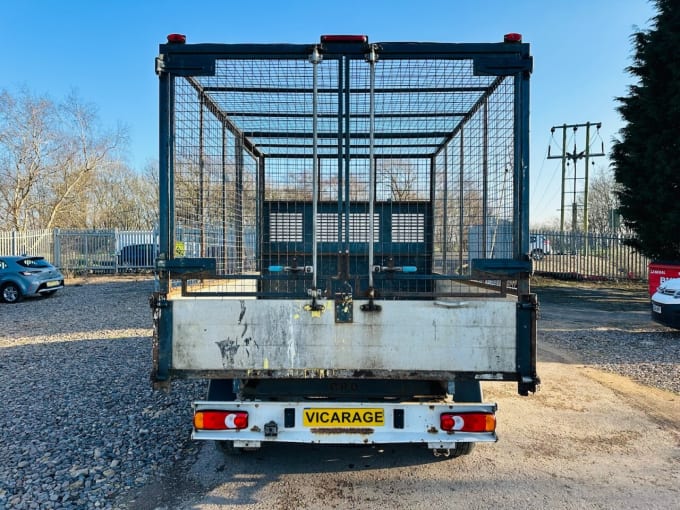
[646,154]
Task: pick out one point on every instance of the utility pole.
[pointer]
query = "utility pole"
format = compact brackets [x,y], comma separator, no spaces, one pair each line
[574,156]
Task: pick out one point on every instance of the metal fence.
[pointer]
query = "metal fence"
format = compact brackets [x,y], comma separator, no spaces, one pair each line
[86,251]
[30,242]
[580,256]
[573,256]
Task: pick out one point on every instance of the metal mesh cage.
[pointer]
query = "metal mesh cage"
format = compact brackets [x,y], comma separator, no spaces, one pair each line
[439,136]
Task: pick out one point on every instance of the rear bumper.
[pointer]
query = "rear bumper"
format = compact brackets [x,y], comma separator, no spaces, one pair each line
[403,423]
[44,288]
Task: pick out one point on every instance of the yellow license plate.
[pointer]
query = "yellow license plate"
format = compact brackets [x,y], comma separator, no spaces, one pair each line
[52,284]
[343,417]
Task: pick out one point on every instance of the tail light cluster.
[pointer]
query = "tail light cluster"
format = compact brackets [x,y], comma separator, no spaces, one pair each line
[220,420]
[467,422]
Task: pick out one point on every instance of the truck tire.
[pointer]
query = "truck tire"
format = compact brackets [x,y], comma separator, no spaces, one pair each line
[462,449]
[228,448]
[221,390]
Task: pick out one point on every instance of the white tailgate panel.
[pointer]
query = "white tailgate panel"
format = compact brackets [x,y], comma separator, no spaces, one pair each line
[477,335]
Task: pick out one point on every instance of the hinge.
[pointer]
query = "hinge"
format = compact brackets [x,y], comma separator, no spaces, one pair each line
[160,65]
[158,300]
[528,302]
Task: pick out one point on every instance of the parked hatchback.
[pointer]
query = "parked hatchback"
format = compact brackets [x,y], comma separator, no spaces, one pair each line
[27,276]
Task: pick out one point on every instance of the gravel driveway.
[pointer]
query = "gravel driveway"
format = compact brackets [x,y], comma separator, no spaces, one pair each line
[81,427]
[609,327]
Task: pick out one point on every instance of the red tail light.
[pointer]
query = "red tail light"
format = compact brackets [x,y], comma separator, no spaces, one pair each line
[344,39]
[467,422]
[220,420]
[512,38]
[177,39]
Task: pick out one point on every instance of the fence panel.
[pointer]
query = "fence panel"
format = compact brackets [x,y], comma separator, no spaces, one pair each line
[83,251]
[136,250]
[30,242]
[573,256]
[577,256]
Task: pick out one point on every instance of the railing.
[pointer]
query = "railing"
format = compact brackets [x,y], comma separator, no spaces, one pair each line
[29,242]
[572,256]
[577,256]
[85,251]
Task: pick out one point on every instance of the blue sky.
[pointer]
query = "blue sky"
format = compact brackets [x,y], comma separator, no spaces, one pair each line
[105,51]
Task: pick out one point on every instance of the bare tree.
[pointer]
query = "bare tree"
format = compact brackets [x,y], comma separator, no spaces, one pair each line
[121,198]
[602,203]
[401,181]
[28,150]
[49,155]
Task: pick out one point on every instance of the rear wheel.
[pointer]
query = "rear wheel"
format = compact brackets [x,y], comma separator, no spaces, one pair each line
[228,448]
[223,390]
[11,293]
[462,449]
[466,391]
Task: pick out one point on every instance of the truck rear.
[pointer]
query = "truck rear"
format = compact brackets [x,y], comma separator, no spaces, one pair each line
[344,241]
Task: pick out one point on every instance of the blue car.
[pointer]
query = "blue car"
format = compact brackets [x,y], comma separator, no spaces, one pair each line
[27,276]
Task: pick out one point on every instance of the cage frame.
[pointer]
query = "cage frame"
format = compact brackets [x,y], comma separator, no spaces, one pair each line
[498,60]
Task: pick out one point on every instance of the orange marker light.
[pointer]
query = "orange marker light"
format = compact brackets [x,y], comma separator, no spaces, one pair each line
[220,420]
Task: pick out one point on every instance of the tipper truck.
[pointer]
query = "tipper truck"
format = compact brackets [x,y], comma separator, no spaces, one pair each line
[344,238]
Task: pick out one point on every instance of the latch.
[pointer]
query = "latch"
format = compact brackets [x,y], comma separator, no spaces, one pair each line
[271,429]
[293,268]
[158,300]
[344,308]
[392,268]
[315,307]
[371,306]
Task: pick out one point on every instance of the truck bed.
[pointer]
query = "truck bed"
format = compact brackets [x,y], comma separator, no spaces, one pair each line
[344,210]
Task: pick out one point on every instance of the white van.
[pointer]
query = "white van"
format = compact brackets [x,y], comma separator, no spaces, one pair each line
[666,303]
[539,246]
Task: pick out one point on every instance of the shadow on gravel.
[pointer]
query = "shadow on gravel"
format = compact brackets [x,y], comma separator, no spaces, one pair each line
[80,307]
[244,477]
[602,298]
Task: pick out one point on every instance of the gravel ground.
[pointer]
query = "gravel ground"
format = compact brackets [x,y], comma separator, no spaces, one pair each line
[610,328]
[81,427]
[650,357]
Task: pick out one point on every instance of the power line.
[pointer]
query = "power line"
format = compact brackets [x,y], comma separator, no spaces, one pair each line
[574,156]
[541,184]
